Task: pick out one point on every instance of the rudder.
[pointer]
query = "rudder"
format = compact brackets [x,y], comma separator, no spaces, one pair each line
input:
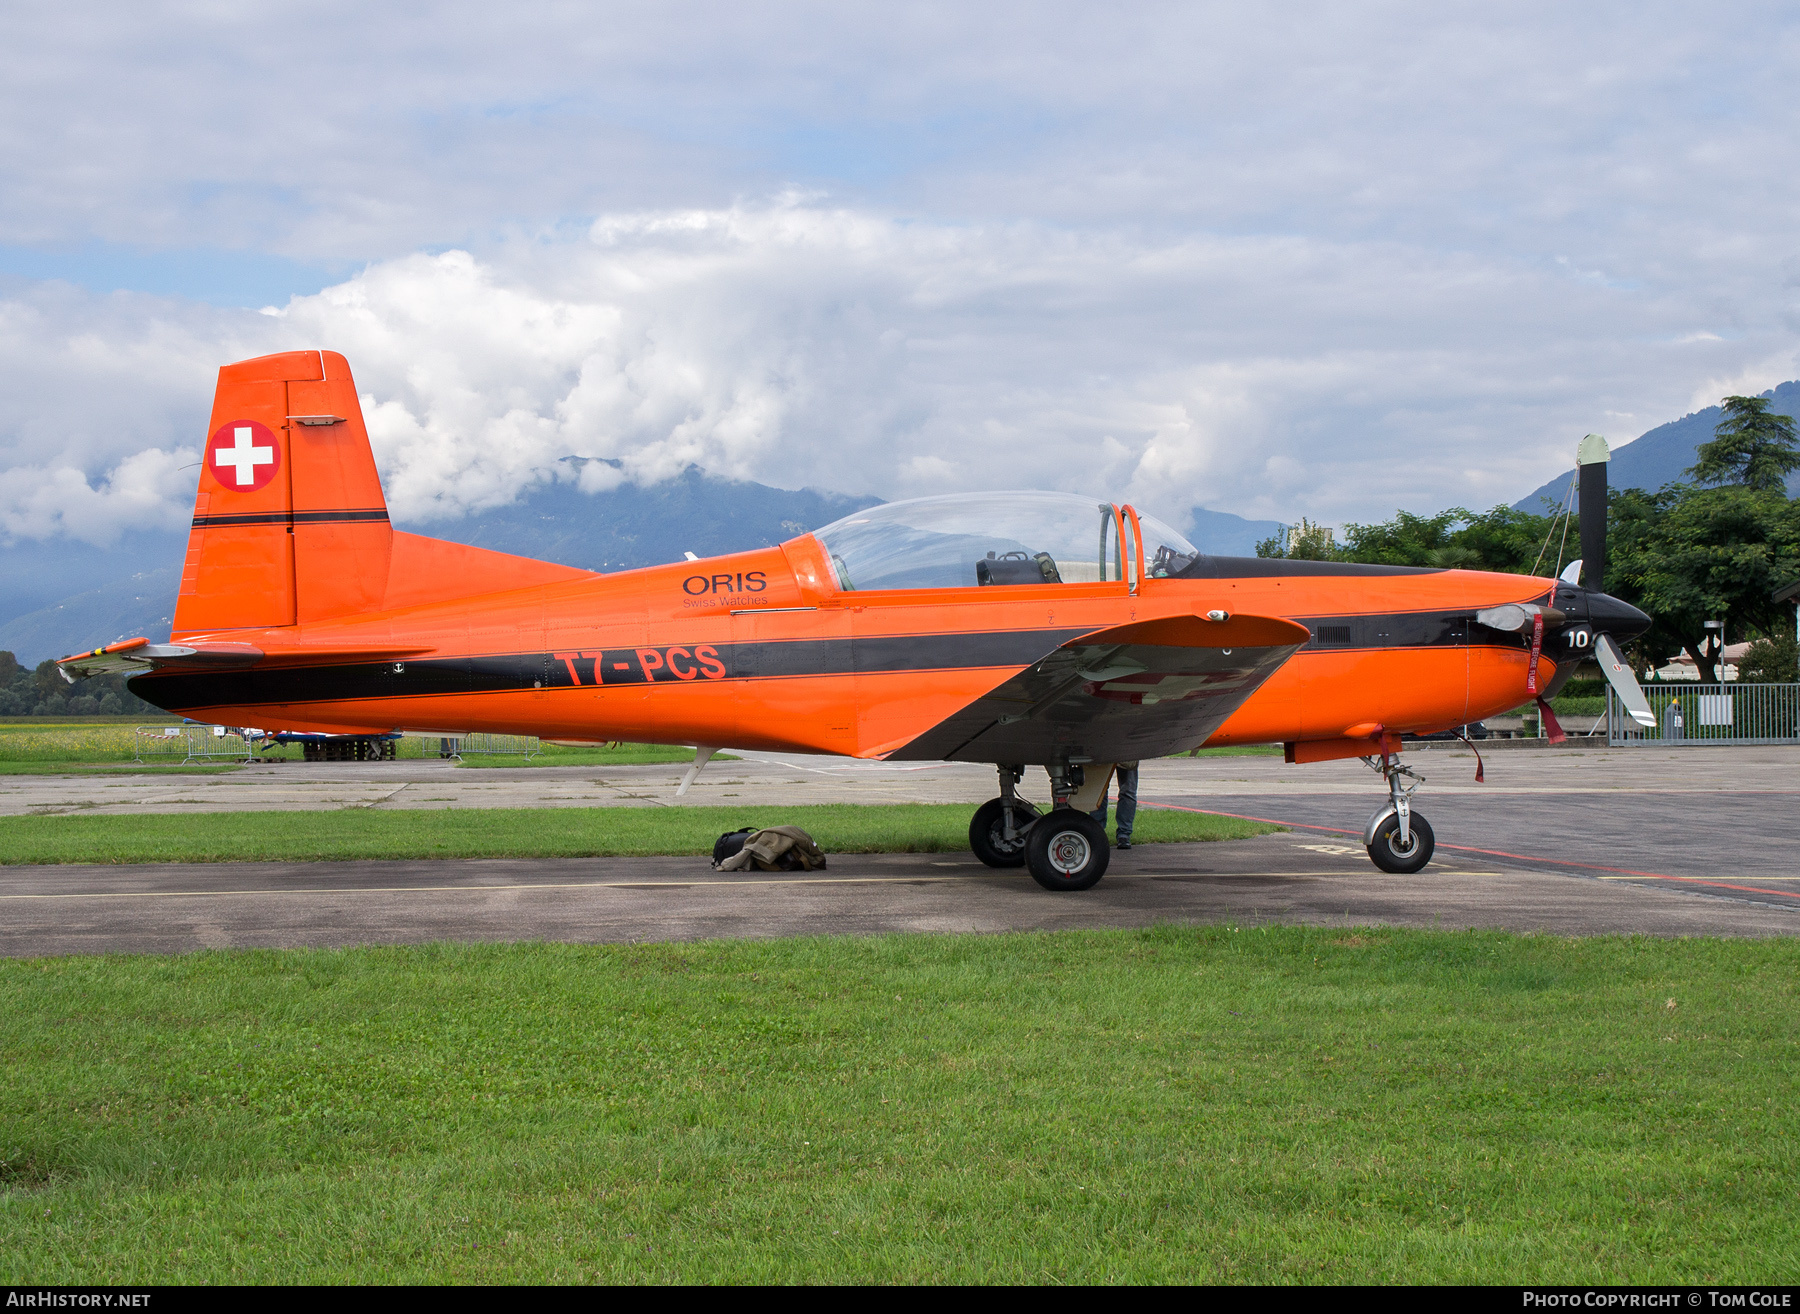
[290,524]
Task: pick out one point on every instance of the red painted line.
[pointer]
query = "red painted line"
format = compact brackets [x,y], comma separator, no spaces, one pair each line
[1491,853]
[1726,885]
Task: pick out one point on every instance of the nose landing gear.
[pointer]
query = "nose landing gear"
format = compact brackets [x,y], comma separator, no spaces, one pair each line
[1399,840]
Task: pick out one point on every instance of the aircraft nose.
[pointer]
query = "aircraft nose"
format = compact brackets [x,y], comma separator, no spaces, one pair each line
[1612,616]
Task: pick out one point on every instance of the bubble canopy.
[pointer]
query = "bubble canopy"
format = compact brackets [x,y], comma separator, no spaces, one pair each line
[964,540]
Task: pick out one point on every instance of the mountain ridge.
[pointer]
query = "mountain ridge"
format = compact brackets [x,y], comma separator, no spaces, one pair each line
[53,606]
[1661,455]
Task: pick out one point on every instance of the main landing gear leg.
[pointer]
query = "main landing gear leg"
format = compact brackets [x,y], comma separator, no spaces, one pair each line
[1066,850]
[1399,840]
[997,834]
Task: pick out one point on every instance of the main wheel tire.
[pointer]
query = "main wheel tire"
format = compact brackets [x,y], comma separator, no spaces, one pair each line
[1385,852]
[987,832]
[1067,850]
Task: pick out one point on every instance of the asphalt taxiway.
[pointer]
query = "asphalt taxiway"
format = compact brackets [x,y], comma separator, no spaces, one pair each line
[1654,841]
[1292,878]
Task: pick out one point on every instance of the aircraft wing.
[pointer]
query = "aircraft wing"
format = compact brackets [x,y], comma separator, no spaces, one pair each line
[1134,691]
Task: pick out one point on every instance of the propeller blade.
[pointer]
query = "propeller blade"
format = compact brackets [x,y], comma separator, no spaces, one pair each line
[1624,683]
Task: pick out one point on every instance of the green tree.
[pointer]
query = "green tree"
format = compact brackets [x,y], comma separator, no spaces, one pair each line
[1684,555]
[1774,659]
[1406,540]
[1688,555]
[1516,541]
[1458,539]
[41,691]
[1751,448]
[1634,519]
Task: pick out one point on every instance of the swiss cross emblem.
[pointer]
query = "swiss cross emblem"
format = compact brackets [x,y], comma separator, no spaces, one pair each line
[243,455]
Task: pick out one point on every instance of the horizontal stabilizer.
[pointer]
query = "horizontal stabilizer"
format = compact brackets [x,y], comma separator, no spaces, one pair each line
[136,656]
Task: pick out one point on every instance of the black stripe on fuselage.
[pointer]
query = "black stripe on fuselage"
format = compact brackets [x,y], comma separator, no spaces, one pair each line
[681,664]
[1404,629]
[649,664]
[375,514]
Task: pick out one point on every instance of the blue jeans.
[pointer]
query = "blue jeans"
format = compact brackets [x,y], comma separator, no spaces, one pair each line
[1127,780]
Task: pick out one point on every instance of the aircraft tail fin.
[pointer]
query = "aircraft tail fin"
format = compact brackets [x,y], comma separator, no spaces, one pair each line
[290,524]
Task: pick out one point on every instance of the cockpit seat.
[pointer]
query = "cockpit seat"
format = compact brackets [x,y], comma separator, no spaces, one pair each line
[1017,568]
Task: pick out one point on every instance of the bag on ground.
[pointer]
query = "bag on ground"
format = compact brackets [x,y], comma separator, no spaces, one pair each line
[774,848]
[730,842]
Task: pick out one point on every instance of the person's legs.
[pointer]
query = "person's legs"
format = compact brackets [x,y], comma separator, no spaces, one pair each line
[1128,781]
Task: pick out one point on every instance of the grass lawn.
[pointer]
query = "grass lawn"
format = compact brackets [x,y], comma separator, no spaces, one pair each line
[102,769]
[521,832]
[623,755]
[31,742]
[57,748]
[1178,1104]
[38,723]
[100,745]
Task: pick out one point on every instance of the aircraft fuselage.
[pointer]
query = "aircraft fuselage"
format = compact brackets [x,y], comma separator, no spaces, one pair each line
[762,650]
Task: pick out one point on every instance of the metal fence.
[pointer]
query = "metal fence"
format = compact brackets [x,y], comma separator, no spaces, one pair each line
[527,746]
[1710,714]
[189,743]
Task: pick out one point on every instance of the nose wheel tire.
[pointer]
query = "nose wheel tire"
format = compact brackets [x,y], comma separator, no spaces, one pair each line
[987,832]
[1067,850]
[1387,853]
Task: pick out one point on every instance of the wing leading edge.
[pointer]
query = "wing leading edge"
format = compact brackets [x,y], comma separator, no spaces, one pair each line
[1146,689]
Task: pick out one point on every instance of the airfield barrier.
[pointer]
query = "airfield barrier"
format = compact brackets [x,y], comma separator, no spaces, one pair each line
[1709,714]
[483,745]
[181,744]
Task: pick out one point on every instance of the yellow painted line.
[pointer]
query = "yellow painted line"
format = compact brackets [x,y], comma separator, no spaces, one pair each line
[633,885]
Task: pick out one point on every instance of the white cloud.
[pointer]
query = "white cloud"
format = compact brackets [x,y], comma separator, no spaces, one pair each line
[148,490]
[1642,141]
[1747,378]
[801,343]
[1314,259]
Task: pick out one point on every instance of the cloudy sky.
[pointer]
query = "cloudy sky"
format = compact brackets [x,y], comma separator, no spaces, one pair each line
[1277,259]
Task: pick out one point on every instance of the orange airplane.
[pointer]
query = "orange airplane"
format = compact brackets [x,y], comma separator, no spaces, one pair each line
[1019,629]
